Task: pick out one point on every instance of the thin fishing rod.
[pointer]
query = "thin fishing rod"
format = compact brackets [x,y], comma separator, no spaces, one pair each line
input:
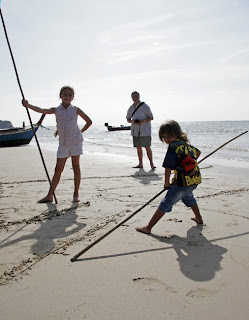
[20,87]
[133,214]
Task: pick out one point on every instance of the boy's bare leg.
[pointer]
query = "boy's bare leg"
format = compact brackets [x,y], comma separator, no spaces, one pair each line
[198,217]
[150,157]
[155,218]
[77,177]
[140,157]
[56,178]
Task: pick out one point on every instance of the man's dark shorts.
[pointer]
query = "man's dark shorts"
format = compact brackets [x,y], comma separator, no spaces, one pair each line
[144,141]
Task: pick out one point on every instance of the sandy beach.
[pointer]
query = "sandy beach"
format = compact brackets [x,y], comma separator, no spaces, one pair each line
[180,271]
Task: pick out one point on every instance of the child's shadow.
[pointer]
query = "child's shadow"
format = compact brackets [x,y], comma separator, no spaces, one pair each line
[57,226]
[198,258]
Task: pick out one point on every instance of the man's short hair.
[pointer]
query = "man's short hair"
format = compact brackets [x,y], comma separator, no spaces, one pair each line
[135,93]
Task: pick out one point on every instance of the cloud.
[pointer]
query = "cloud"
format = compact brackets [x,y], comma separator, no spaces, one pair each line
[133,29]
[237,56]
[152,49]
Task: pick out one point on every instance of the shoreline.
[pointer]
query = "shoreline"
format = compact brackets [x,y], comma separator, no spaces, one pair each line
[205,138]
[202,267]
[132,156]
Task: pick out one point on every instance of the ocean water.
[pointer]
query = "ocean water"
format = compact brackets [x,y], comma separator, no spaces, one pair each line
[205,135]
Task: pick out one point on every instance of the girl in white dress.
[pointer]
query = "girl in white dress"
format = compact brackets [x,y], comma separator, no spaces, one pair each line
[70,138]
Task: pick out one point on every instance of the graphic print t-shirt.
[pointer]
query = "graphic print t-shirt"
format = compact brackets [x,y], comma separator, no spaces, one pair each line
[181,157]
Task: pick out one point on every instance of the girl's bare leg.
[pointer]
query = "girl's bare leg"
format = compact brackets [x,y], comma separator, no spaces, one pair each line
[77,177]
[56,178]
[155,218]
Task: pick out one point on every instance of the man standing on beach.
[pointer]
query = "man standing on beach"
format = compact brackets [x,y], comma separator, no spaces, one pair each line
[140,117]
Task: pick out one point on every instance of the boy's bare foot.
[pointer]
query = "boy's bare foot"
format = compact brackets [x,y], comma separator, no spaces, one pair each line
[76,198]
[198,221]
[45,200]
[138,167]
[145,230]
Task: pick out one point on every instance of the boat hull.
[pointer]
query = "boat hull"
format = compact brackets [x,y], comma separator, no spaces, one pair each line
[110,128]
[16,137]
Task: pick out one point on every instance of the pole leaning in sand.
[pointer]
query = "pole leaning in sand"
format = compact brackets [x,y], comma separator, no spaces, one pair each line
[148,202]
[20,87]
[116,227]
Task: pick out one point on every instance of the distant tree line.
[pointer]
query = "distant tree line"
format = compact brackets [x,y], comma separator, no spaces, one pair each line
[4,124]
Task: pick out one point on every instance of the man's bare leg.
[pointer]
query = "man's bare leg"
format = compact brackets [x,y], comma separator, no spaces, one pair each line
[140,157]
[150,157]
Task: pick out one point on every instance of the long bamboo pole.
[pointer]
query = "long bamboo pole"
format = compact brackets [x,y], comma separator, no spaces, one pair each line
[148,202]
[222,146]
[20,87]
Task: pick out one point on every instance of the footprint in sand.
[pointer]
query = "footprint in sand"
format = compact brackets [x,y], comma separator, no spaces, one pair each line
[205,293]
[152,283]
[201,293]
[234,223]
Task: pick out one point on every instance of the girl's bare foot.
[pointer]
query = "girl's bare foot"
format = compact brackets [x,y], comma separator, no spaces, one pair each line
[198,221]
[45,200]
[145,230]
[76,198]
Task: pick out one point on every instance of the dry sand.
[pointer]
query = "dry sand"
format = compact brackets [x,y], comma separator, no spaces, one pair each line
[181,271]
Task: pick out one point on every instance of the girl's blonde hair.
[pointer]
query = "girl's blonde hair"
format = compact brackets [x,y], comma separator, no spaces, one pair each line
[172,128]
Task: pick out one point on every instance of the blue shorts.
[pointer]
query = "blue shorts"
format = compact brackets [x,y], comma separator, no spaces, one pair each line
[176,193]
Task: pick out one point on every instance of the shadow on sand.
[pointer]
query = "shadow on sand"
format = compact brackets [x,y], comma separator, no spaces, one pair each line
[146,177]
[198,258]
[56,226]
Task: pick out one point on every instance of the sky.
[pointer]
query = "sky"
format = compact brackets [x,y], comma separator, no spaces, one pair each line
[188,59]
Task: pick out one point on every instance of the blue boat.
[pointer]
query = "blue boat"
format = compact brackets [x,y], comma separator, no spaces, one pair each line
[14,137]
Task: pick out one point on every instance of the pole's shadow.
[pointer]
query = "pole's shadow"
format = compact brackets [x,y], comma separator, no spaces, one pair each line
[198,258]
